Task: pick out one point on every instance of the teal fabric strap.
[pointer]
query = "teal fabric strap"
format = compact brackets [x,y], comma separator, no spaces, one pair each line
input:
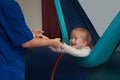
[104,47]
[61,21]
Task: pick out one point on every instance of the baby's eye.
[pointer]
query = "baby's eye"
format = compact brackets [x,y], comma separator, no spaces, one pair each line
[76,38]
[71,37]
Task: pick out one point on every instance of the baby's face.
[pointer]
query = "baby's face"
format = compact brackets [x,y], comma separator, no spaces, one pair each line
[77,39]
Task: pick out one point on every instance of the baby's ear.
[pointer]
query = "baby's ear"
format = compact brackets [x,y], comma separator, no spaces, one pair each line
[85,43]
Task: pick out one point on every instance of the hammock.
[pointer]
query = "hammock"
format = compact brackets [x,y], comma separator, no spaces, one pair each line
[105,46]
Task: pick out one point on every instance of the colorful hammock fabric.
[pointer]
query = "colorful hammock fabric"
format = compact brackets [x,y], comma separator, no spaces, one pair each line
[104,47]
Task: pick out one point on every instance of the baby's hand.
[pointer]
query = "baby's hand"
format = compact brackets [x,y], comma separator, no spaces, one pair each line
[56,43]
[61,45]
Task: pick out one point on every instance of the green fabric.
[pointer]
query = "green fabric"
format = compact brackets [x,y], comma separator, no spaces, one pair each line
[103,48]
[61,22]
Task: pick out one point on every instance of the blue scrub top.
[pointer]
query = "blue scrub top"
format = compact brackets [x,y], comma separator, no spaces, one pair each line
[13,32]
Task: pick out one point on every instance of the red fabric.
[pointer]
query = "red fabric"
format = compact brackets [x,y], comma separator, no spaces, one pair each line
[49,19]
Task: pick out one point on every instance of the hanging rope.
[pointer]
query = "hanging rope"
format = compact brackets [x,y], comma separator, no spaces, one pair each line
[55,66]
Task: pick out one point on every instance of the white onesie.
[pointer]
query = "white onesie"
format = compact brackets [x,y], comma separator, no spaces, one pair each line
[82,52]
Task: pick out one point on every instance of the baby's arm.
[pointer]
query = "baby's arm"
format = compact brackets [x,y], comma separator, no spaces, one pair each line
[58,49]
[76,52]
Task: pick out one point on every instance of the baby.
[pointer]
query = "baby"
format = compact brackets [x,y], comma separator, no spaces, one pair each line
[80,40]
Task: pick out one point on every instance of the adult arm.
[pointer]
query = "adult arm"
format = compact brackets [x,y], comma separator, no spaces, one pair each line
[17,30]
[38,42]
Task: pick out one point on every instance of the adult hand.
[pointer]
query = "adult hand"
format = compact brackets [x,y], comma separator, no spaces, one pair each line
[37,33]
[43,37]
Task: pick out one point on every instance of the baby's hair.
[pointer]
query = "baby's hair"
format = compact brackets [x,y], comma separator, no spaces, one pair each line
[88,35]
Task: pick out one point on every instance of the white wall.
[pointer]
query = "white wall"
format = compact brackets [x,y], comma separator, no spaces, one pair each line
[101,12]
[32,12]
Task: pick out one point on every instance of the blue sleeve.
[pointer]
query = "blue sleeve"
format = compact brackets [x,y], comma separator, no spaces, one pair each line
[16,27]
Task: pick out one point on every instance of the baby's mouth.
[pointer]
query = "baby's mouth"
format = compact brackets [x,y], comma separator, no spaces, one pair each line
[73,44]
